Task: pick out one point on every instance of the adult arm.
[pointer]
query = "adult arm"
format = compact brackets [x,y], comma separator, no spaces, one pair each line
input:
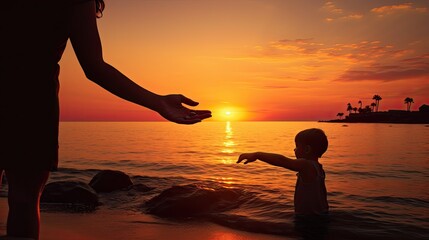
[86,43]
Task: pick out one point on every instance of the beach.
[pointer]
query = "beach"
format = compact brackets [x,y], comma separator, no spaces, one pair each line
[111,224]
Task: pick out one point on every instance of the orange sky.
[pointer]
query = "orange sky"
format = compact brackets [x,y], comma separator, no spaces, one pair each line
[257,59]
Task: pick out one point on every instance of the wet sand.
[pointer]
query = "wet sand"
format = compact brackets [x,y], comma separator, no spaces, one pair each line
[118,224]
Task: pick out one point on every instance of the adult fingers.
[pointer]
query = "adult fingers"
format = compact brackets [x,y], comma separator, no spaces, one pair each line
[188,101]
[194,115]
[201,111]
[204,116]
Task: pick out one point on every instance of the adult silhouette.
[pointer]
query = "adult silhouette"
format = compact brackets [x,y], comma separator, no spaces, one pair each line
[33,37]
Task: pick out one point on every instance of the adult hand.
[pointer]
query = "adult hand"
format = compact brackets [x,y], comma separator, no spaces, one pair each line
[172,109]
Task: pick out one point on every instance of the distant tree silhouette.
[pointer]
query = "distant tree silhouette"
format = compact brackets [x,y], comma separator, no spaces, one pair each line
[360,106]
[377,99]
[368,109]
[373,106]
[355,109]
[408,101]
[349,108]
[340,115]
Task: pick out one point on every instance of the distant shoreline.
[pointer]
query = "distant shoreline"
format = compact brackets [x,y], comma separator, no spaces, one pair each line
[390,116]
[343,121]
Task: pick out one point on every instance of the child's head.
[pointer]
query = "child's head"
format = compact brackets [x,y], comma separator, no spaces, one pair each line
[311,143]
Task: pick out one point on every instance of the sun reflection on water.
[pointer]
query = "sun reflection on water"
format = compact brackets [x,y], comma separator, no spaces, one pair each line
[227,182]
[228,145]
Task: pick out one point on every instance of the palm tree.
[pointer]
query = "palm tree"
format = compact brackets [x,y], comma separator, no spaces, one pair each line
[408,101]
[377,99]
[340,115]
[360,106]
[372,106]
[349,108]
[367,109]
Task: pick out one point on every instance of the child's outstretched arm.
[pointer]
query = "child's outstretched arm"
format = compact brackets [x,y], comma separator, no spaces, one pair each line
[273,159]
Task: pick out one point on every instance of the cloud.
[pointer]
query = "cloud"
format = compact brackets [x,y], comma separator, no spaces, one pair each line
[392,9]
[331,8]
[420,61]
[353,17]
[345,18]
[309,79]
[410,68]
[364,51]
[306,46]
[335,13]
[394,75]
[365,60]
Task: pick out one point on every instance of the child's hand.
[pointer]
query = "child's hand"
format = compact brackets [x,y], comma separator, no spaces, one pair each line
[250,157]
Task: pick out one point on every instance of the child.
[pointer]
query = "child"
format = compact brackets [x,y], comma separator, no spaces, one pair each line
[310,191]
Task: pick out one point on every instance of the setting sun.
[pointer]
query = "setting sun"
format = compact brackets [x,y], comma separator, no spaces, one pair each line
[228,113]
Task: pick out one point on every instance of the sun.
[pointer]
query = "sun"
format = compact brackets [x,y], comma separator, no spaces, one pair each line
[228,113]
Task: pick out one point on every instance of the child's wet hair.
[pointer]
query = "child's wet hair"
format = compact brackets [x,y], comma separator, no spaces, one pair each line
[315,138]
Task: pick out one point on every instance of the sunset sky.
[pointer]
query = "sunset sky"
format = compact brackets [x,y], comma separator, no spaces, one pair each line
[257,59]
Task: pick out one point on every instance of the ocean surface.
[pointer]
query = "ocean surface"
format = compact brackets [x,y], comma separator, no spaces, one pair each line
[377,175]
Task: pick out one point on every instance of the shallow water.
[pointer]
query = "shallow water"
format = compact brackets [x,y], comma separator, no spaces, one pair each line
[377,174]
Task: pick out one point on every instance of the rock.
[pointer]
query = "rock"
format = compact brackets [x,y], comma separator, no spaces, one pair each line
[69,192]
[139,187]
[110,180]
[193,200]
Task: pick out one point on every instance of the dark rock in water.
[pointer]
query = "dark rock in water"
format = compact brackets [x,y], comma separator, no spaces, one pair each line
[69,192]
[139,187]
[110,180]
[194,200]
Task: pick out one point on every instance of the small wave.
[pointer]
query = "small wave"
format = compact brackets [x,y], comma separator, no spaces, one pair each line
[334,194]
[368,174]
[183,168]
[402,201]
[358,224]
[188,152]
[415,202]
[251,225]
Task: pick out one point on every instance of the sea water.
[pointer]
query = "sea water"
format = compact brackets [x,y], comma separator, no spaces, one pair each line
[377,175]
